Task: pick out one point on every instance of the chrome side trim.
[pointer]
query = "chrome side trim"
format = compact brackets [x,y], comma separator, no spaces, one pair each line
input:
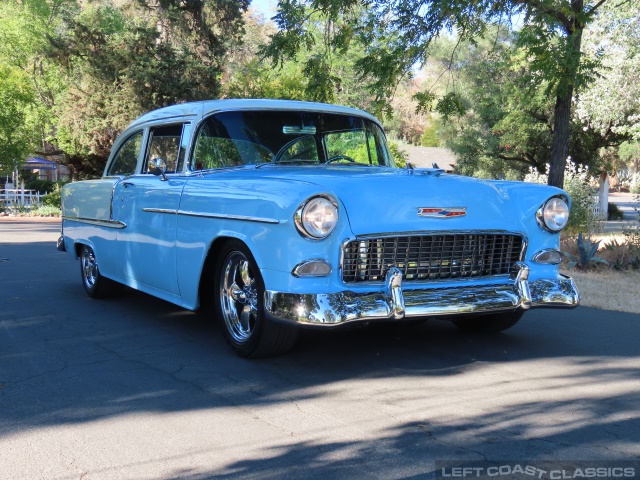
[160,210]
[225,216]
[392,303]
[94,221]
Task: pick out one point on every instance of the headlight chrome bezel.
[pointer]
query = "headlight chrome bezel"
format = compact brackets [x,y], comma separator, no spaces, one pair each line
[302,223]
[545,212]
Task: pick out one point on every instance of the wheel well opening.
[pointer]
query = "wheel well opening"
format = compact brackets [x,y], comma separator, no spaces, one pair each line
[205,290]
[78,248]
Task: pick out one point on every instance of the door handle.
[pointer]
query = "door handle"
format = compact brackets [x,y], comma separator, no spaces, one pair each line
[128,184]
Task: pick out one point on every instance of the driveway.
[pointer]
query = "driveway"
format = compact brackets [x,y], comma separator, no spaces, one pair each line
[138,388]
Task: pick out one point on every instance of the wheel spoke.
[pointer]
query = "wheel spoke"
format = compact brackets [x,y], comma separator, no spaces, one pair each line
[244,273]
[238,295]
[245,319]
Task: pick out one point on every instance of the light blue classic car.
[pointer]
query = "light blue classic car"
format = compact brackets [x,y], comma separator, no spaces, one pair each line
[279,215]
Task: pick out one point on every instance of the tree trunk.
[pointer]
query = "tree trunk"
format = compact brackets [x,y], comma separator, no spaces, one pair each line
[560,144]
[570,65]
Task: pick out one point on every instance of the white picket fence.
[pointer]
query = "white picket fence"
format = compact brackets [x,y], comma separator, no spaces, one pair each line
[18,197]
[596,206]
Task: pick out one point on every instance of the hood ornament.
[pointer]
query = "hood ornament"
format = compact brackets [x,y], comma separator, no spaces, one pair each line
[437,212]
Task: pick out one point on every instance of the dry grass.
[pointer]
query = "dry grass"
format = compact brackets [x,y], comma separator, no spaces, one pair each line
[609,289]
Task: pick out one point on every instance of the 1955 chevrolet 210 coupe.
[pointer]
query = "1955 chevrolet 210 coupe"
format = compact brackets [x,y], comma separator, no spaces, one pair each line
[281,214]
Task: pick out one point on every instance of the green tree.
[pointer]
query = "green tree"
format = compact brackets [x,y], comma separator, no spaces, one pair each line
[612,104]
[16,98]
[123,61]
[399,35]
[94,66]
[30,83]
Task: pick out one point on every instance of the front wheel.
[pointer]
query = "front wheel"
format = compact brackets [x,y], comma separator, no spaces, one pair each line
[491,323]
[239,305]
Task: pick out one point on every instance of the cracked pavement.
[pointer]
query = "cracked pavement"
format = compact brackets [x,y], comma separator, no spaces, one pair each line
[137,388]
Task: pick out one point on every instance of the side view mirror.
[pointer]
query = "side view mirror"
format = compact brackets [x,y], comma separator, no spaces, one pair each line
[158,166]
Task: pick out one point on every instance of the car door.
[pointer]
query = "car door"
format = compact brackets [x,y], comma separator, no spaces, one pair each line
[147,204]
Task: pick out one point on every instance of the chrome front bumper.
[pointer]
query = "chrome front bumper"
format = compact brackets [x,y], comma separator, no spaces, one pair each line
[393,303]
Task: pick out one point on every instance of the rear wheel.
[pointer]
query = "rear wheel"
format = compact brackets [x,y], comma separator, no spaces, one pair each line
[93,282]
[239,305]
[489,323]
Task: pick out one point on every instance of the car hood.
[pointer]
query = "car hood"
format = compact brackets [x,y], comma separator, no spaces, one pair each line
[380,200]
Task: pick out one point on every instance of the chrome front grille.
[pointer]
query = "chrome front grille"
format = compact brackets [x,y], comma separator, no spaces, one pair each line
[431,257]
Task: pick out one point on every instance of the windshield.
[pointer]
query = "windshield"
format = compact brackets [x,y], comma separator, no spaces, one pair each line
[287,137]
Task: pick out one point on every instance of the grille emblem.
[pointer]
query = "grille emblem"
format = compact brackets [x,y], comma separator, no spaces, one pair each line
[436,212]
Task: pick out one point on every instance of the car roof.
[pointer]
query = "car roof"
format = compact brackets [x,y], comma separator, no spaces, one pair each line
[206,107]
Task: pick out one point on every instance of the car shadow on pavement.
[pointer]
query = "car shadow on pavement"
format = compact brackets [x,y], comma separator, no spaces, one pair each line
[566,380]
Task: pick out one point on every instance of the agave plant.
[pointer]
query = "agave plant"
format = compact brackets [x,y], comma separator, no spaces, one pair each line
[586,254]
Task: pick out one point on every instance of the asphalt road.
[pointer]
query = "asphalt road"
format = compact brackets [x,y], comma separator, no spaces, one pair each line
[138,388]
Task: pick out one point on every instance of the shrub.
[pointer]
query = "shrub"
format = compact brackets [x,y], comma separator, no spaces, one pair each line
[614,212]
[576,183]
[399,155]
[42,186]
[45,211]
[53,199]
[621,256]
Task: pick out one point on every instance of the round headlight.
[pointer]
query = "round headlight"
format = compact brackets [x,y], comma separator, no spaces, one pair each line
[317,218]
[554,215]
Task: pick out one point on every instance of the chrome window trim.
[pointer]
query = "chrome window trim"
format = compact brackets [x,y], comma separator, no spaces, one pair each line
[98,222]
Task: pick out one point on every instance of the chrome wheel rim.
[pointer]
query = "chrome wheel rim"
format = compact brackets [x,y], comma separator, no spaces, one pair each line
[89,268]
[239,297]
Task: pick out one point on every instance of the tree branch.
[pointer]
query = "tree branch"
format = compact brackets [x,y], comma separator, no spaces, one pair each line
[596,6]
[540,7]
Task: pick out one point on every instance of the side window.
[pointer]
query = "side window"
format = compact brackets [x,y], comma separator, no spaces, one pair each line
[126,159]
[164,143]
[217,146]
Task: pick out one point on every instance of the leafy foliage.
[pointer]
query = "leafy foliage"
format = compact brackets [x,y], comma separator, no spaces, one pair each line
[95,66]
[399,34]
[582,217]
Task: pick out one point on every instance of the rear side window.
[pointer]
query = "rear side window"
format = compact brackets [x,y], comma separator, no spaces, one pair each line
[126,159]
[167,143]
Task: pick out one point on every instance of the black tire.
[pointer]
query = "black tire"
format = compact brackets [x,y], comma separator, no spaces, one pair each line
[93,282]
[239,306]
[491,323]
